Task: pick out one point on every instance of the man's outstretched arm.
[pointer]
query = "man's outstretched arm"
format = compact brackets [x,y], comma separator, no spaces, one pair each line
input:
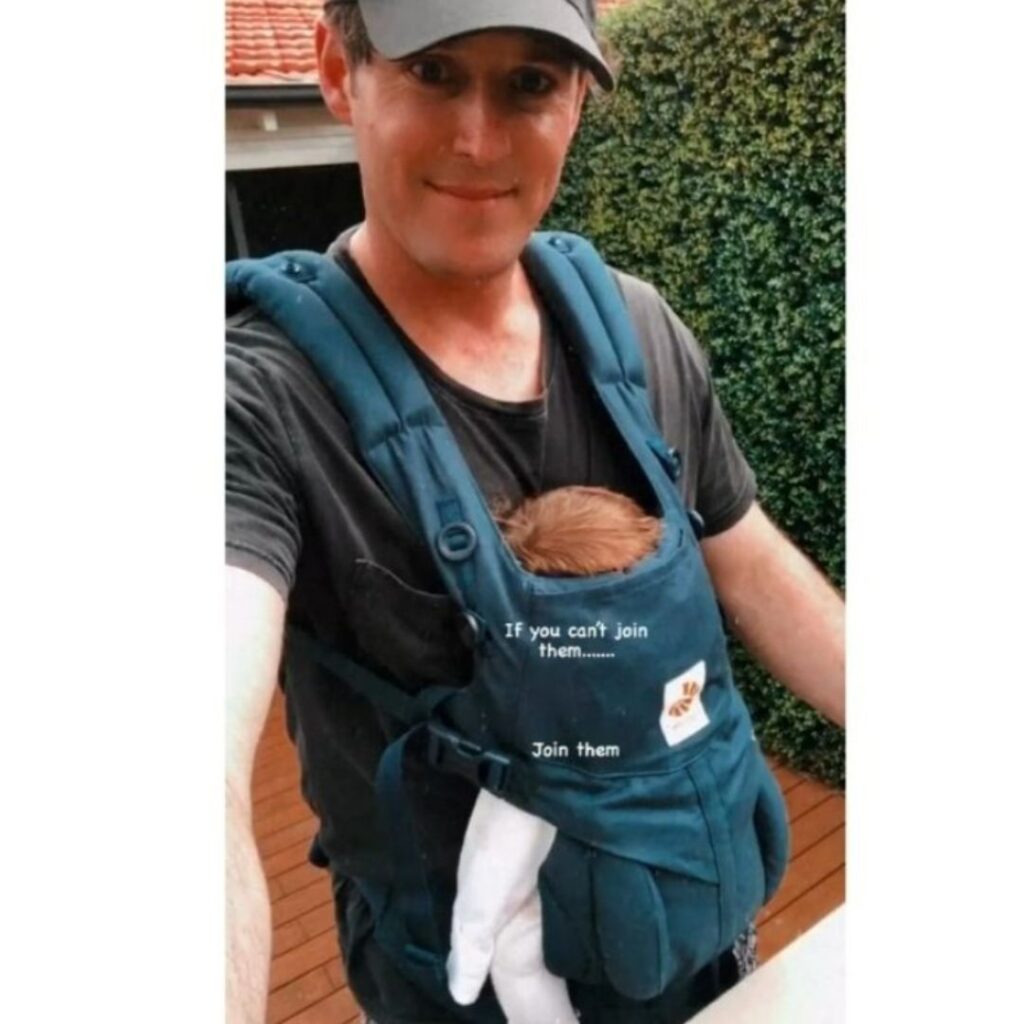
[783,609]
[255,624]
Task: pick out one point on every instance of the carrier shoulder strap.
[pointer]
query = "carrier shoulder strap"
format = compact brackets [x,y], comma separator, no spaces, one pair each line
[397,427]
[579,288]
[330,319]
[577,284]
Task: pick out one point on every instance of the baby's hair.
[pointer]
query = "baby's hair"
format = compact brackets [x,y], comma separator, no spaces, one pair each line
[578,531]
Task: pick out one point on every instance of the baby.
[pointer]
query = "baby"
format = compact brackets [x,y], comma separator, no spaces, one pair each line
[496,919]
[579,531]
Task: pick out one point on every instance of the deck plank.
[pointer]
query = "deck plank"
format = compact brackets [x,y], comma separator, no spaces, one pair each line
[278,783]
[302,959]
[319,919]
[816,823]
[300,876]
[288,908]
[290,857]
[298,995]
[289,836]
[298,811]
[336,972]
[786,778]
[806,870]
[288,936]
[340,1007]
[804,796]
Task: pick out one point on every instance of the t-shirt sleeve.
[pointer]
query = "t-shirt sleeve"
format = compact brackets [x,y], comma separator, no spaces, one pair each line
[262,514]
[717,480]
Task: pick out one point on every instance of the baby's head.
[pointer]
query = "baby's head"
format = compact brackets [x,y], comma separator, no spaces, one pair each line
[579,531]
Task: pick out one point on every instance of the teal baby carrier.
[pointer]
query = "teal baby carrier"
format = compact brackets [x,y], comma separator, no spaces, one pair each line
[602,704]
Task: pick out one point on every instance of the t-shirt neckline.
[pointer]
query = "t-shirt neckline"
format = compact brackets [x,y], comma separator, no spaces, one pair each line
[532,407]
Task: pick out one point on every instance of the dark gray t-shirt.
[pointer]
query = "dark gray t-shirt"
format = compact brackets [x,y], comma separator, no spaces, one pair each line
[304,514]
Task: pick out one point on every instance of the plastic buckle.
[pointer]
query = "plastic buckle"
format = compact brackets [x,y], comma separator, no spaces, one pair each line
[675,462]
[451,752]
[668,456]
[295,270]
[471,630]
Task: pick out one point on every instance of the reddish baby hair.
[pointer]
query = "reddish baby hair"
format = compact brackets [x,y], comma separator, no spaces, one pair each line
[579,531]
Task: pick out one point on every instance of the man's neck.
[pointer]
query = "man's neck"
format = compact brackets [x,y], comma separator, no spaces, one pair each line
[484,332]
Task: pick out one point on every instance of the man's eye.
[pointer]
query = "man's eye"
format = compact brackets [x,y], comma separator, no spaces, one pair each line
[430,71]
[533,82]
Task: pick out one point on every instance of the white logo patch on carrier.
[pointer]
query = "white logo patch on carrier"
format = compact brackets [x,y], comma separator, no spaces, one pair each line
[683,712]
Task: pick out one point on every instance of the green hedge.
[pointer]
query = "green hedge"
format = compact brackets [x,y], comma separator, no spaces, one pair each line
[716,172]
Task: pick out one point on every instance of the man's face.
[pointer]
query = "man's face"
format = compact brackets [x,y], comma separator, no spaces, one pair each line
[461,146]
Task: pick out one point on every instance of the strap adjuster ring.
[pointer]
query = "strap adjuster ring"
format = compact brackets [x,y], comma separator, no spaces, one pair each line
[456,541]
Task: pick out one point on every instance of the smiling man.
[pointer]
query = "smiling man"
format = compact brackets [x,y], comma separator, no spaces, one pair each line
[463,112]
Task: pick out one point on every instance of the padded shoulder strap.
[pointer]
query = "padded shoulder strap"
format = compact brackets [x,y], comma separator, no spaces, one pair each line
[580,289]
[398,429]
[581,292]
[329,318]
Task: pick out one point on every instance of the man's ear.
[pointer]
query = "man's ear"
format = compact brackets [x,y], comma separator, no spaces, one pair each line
[584,84]
[335,74]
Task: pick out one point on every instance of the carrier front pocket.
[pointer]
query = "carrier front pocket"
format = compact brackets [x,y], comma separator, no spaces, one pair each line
[609,919]
[689,870]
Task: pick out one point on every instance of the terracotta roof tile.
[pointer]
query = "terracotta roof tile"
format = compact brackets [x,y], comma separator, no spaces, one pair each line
[270,41]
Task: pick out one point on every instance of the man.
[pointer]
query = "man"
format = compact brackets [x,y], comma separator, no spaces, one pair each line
[463,114]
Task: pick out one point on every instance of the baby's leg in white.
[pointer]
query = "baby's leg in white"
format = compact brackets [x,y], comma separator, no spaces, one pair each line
[527,991]
[502,852]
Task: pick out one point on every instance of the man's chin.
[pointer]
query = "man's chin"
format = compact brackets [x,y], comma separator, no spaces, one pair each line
[479,259]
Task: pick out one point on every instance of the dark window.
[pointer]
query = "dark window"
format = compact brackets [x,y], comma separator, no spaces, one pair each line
[293,207]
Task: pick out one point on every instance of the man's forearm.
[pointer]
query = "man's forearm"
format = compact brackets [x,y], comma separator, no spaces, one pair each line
[784,611]
[798,636]
[248,920]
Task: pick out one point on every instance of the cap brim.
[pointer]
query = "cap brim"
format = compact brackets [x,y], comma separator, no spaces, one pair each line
[398,29]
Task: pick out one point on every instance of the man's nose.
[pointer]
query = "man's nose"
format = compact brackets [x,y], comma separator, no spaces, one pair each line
[481,127]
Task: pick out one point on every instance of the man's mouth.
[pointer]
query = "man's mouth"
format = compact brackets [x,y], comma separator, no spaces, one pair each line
[474,193]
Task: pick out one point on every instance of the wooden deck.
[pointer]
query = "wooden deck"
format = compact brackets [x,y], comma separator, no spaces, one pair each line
[307,978]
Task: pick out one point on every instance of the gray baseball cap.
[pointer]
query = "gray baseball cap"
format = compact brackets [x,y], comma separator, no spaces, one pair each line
[400,27]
